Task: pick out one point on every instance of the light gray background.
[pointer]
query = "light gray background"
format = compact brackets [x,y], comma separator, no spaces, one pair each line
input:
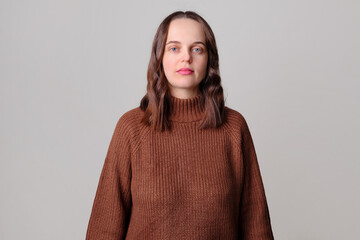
[69,69]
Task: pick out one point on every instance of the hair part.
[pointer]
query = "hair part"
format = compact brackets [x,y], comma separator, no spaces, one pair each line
[156,102]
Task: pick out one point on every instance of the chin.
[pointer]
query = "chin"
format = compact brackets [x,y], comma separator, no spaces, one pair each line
[185,83]
[186,80]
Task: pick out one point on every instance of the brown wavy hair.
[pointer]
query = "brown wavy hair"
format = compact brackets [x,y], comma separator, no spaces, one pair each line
[156,102]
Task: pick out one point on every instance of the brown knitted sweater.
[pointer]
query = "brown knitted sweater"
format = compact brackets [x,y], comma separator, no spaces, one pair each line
[184,184]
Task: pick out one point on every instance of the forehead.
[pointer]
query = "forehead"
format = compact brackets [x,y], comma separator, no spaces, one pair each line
[184,30]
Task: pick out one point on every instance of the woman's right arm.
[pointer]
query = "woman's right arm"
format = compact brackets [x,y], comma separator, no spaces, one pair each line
[112,204]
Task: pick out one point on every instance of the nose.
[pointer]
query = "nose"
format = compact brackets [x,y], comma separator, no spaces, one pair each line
[186,56]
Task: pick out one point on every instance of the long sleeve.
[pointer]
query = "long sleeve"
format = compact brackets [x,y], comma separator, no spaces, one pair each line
[112,204]
[254,213]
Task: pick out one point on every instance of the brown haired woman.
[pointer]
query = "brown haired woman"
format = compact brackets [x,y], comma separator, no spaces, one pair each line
[181,165]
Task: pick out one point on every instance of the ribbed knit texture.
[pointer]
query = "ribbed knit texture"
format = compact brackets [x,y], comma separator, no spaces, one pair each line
[185,183]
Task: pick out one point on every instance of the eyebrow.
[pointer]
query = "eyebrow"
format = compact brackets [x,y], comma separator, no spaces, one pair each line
[197,42]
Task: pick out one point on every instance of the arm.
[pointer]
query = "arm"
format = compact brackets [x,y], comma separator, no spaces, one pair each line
[112,204]
[254,213]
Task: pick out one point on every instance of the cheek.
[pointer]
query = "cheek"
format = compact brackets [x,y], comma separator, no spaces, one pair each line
[202,65]
[165,63]
[168,63]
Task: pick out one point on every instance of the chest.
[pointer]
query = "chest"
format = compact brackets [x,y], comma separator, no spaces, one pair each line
[188,166]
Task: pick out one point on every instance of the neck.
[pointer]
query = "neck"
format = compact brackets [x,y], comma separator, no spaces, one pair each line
[186,109]
[185,93]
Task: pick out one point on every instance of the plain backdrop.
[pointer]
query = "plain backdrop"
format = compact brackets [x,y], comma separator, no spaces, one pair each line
[70,68]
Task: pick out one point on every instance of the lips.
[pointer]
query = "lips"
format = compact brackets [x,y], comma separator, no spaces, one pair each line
[185,71]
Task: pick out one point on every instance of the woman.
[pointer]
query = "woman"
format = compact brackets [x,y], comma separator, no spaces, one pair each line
[181,165]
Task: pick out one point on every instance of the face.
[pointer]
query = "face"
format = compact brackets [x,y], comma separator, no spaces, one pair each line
[185,57]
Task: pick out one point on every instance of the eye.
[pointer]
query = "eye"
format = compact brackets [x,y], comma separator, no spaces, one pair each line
[198,50]
[172,49]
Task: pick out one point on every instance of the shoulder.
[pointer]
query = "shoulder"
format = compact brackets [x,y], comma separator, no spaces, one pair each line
[129,126]
[131,118]
[130,121]
[236,124]
[234,119]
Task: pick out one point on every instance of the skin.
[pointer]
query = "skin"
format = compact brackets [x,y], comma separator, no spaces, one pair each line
[185,48]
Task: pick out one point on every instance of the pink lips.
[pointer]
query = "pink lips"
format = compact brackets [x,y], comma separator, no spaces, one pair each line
[185,71]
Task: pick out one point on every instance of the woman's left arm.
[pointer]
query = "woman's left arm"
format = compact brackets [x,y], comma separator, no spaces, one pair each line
[254,213]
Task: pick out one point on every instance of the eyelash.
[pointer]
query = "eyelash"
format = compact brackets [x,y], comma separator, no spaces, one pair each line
[200,50]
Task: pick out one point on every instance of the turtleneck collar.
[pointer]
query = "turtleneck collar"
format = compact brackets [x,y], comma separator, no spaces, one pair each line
[186,109]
